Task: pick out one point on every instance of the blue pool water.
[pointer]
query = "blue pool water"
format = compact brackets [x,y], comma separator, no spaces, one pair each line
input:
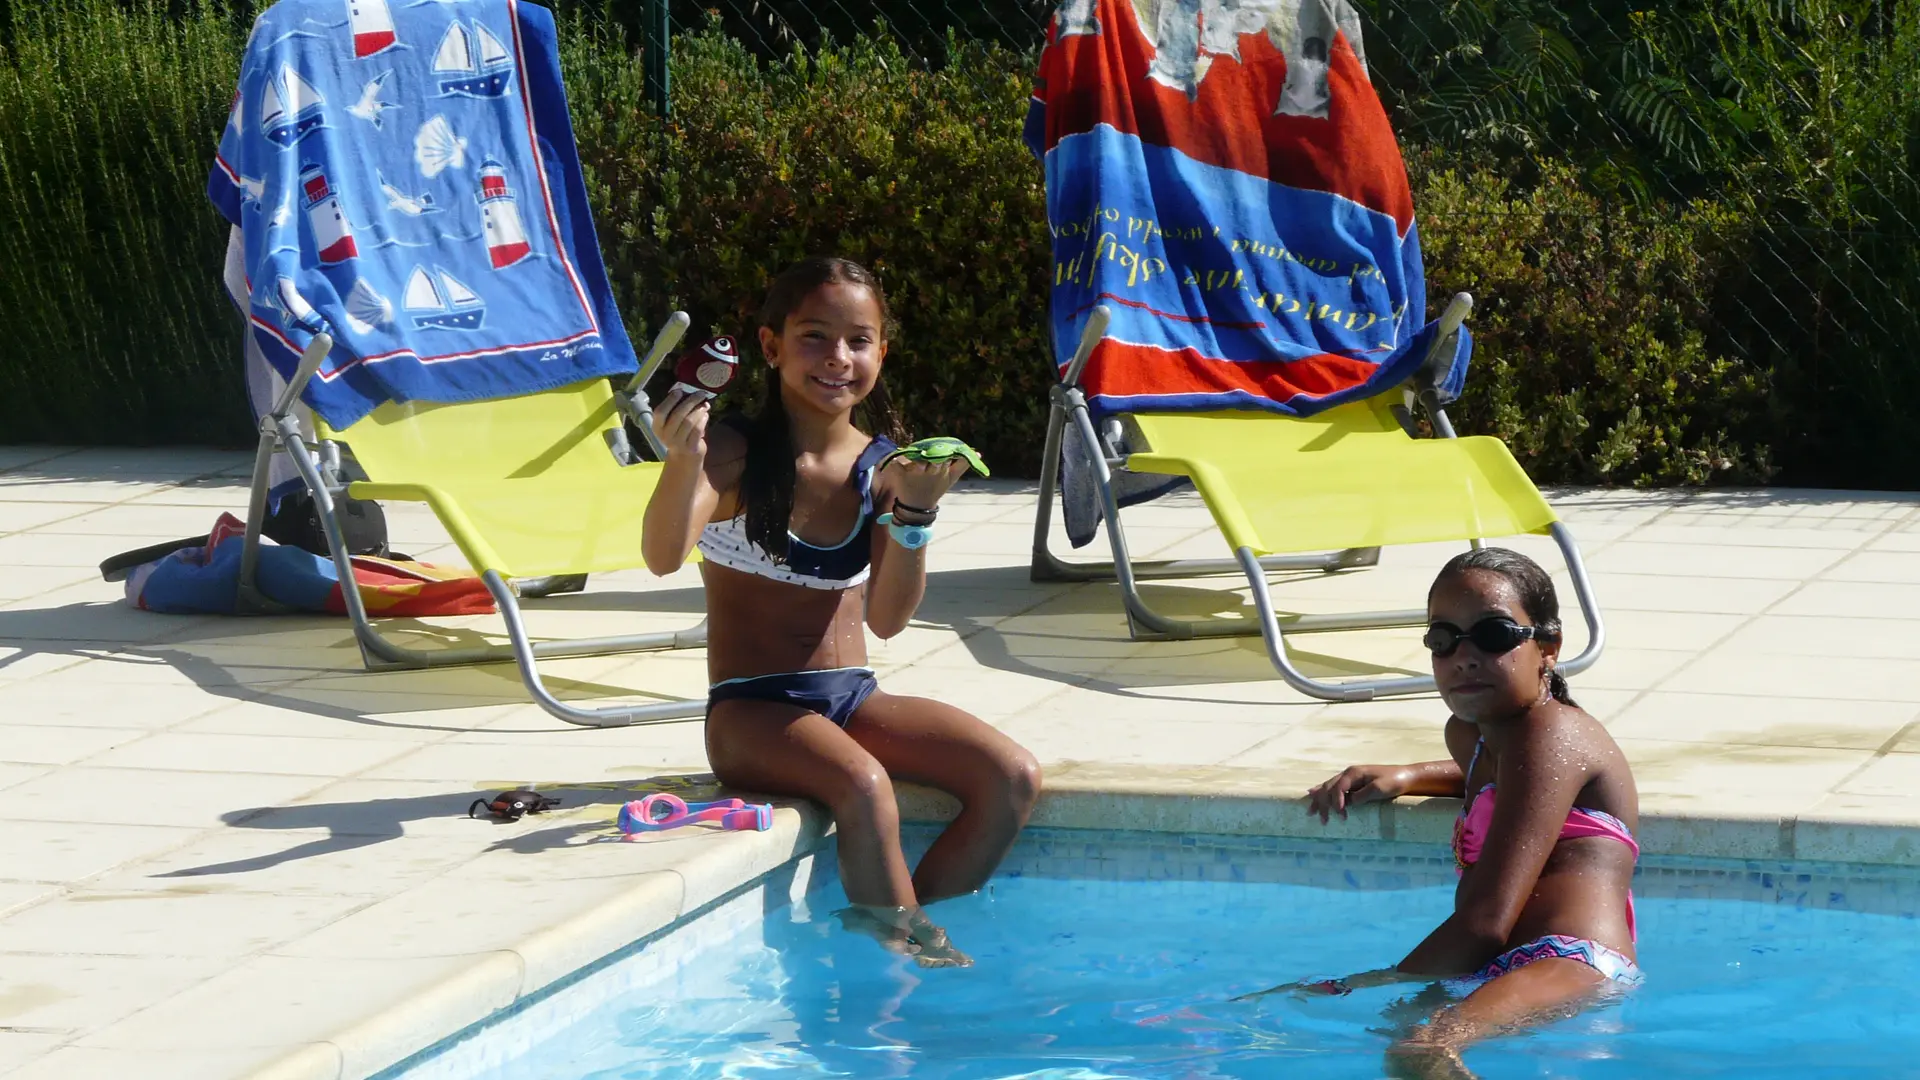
[1115,957]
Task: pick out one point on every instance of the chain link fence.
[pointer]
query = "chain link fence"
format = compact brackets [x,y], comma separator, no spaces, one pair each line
[1750,165]
[774,27]
[1690,225]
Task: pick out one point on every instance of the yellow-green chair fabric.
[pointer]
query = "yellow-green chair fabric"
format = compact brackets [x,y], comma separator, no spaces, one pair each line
[1318,494]
[1349,477]
[527,486]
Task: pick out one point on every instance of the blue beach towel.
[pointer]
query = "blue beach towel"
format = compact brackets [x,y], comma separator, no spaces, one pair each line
[404,177]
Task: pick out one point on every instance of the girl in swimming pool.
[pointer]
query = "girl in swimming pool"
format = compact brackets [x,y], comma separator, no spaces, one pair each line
[1543,916]
[805,537]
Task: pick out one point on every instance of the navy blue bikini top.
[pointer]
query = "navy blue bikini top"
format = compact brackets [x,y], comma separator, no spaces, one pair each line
[841,566]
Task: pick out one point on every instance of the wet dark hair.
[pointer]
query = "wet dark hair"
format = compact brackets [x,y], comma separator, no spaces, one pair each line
[1537,596]
[767,476]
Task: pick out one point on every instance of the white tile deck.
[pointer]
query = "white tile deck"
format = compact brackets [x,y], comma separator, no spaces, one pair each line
[227,844]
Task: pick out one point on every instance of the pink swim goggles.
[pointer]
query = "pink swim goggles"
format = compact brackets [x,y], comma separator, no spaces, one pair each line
[664,811]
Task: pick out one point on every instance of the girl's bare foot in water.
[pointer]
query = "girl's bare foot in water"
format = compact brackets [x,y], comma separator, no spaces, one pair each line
[935,949]
[906,931]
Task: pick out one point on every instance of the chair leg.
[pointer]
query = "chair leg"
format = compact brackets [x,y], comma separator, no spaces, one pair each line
[1367,689]
[1145,623]
[249,599]
[1589,607]
[380,652]
[554,585]
[1349,690]
[610,716]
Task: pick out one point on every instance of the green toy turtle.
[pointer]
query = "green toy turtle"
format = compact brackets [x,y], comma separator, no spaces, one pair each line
[940,449]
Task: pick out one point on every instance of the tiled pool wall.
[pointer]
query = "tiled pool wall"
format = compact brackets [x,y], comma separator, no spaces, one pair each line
[651,965]
[657,965]
[1382,864]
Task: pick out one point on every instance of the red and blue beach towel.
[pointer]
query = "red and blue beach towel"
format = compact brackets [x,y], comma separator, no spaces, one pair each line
[1221,175]
[206,580]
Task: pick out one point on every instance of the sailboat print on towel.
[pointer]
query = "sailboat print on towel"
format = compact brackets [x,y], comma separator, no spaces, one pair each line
[290,108]
[472,63]
[446,304]
[294,309]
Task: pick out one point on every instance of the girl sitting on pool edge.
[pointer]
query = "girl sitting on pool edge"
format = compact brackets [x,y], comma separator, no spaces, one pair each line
[783,507]
[1543,915]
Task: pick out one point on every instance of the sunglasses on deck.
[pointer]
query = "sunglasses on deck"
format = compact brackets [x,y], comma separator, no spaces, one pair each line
[1492,636]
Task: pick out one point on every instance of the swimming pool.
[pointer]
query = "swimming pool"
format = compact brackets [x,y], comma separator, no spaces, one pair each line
[1113,955]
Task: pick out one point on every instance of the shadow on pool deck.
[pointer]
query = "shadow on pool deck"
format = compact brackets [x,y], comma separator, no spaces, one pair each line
[1071,634]
[365,822]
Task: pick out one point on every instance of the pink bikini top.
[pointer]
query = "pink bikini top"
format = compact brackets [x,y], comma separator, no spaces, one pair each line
[1476,817]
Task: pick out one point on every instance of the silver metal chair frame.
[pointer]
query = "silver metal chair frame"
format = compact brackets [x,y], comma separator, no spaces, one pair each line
[1068,405]
[320,468]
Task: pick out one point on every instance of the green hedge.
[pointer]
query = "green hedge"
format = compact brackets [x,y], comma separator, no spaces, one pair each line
[1591,330]
[113,325]
[1619,341]
[920,175]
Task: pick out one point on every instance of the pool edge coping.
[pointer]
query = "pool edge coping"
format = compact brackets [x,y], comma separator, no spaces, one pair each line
[1214,800]
[500,979]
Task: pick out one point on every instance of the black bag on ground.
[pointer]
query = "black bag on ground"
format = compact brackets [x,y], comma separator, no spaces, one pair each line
[296,523]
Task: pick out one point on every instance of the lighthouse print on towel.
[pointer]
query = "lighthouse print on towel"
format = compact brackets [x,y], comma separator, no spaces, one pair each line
[372,26]
[472,63]
[500,216]
[331,236]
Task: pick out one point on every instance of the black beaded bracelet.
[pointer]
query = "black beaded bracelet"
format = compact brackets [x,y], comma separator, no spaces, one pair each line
[916,515]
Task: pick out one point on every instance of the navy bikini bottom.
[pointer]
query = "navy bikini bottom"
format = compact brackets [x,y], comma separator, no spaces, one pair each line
[834,693]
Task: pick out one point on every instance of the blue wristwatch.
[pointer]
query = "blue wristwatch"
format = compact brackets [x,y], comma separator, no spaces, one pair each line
[911,537]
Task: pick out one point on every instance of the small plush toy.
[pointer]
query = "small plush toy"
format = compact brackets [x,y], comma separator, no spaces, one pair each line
[707,369]
[940,449]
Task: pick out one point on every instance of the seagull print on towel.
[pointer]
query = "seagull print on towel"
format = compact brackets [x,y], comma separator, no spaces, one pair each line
[370,107]
[410,205]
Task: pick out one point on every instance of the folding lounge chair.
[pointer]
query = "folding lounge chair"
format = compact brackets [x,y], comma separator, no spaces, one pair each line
[533,486]
[429,284]
[1216,346]
[1324,492]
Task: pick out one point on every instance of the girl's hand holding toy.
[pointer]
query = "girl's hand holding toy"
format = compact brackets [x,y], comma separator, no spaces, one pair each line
[925,470]
[940,450]
[681,423]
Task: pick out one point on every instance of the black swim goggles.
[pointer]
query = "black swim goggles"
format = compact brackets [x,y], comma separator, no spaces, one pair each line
[1493,636]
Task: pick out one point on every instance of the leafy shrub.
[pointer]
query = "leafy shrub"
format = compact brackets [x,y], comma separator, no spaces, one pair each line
[1591,349]
[1759,326]
[854,151]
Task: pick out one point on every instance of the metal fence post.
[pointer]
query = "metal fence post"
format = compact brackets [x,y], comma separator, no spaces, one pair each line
[659,39]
